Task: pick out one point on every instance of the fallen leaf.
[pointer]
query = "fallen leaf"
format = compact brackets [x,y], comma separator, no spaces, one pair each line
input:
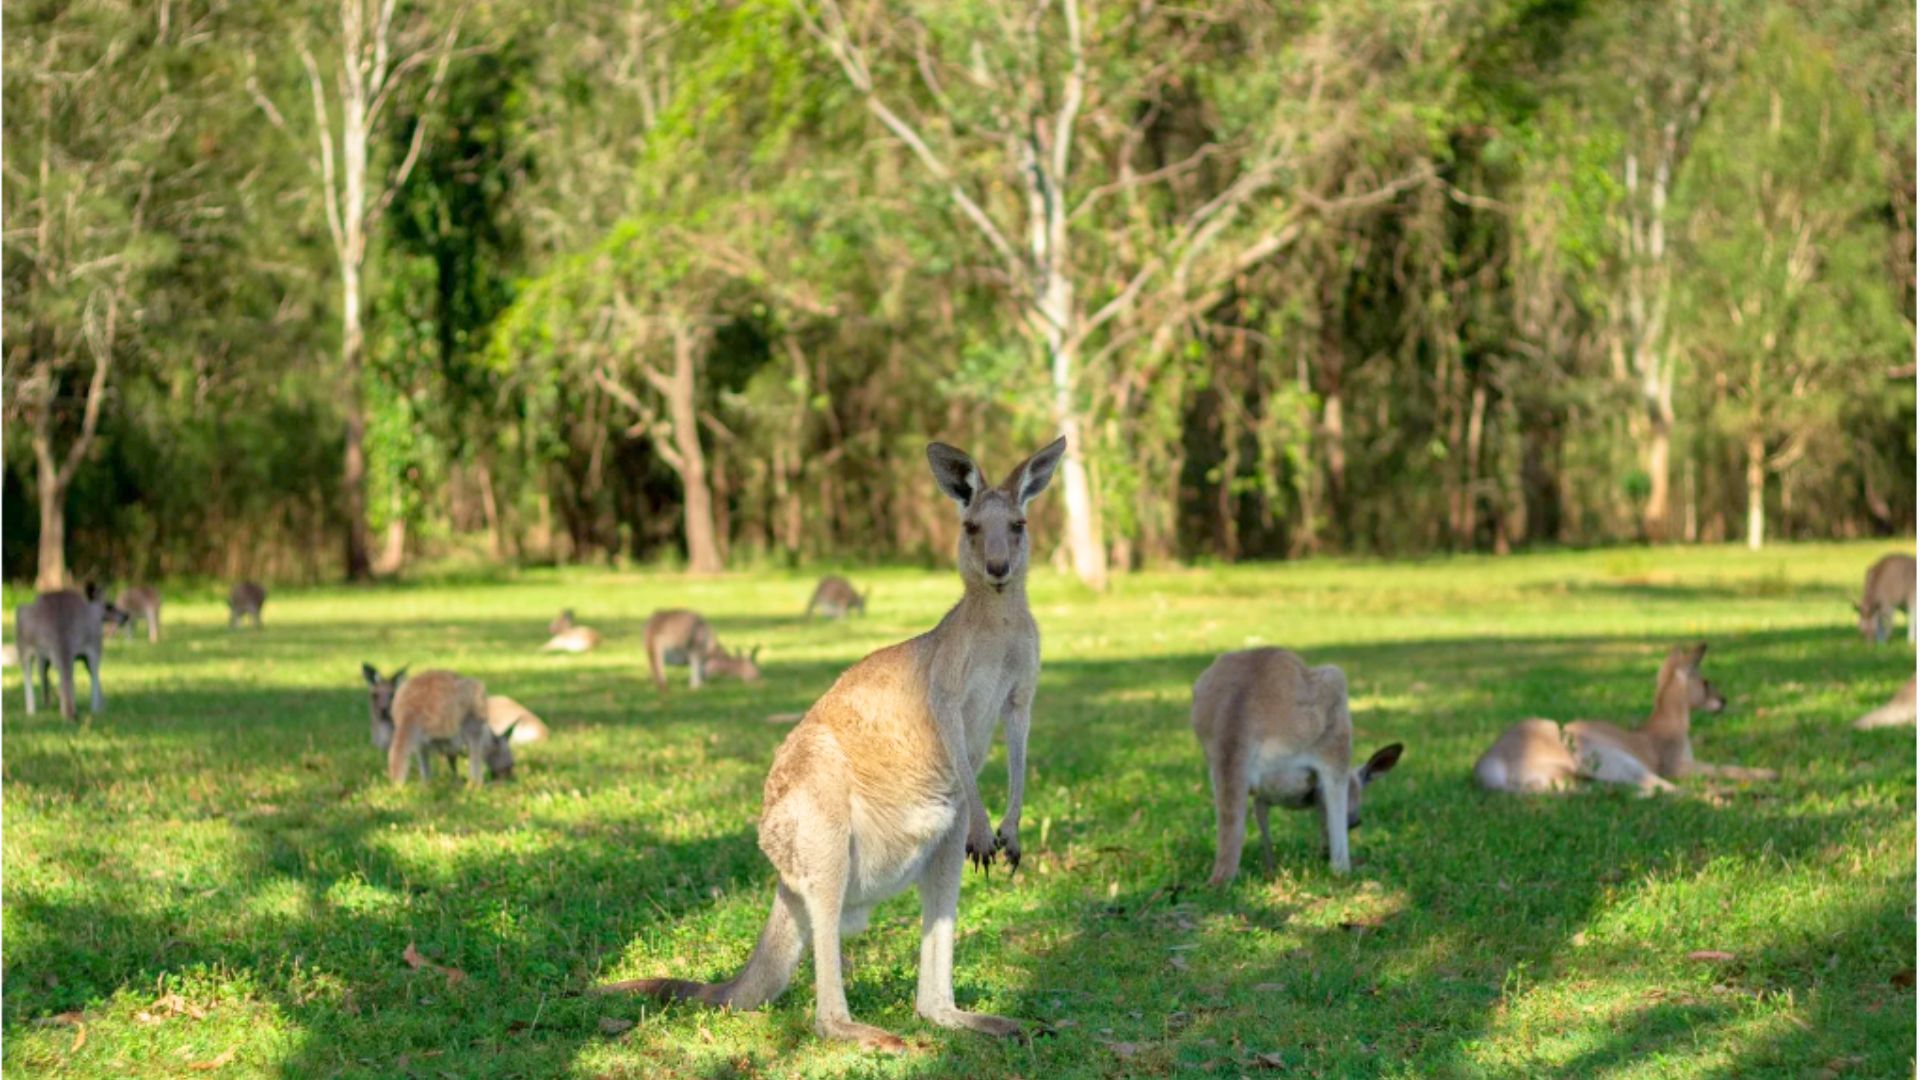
[1903,978]
[1363,924]
[614,1025]
[79,1038]
[1125,1049]
[1269,988]
[223,1058]
[416,961]
[1269,1061]
[1710,956]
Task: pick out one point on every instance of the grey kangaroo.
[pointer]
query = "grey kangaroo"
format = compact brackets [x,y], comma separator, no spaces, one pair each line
[140,602]
[680,637]
[247,598]
[835,598]
[57,629]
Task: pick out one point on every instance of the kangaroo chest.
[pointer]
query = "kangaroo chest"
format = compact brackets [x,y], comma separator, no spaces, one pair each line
[993,677]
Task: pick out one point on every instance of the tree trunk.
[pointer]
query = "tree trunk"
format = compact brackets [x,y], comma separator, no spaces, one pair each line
[53,529]
[1089,555]
[1756,491]
[1656,516]
[353,478]
[703,550]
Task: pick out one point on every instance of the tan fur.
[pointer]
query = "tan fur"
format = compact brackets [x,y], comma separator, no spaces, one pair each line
[562,622]
[140,602]
[574,639]
[679,637]
[1279,731]
[506,716]
[246,598]
[440,712]
[1898,711]
[1889,585]
[875,790]
[835,598]
[57,629]
[1538,755]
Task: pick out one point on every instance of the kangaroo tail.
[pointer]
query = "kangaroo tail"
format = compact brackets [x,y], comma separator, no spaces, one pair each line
[768,970]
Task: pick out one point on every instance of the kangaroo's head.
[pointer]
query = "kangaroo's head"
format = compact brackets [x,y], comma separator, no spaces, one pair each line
[111,615]
[499,753]
[993,520]
[1382,761]
[743,666]
[380,693]
[562,622]
[1681,674]
[1869,620]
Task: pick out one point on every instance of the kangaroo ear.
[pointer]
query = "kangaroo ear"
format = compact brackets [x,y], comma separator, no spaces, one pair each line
[370,673]
[754,656]
[956,473]
[1383,760]
[92,591]
[1029,478]
[400,674]
[1697,653]
[507,732]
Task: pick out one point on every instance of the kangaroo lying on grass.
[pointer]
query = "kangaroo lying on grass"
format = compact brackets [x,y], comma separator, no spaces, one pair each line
[1280,730]
[508,717]
[505,716]
[438,712]
[1897,711]
[1889,585]
[682,638]
[140,602]
[1539,755]
[876,789]
[247,598]
[57,629]
[834,597]
[573,639]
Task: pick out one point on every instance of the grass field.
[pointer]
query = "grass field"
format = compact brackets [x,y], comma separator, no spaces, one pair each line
[214,878]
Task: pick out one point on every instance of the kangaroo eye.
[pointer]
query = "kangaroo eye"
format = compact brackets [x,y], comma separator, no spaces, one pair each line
[1019,526]
[973,528]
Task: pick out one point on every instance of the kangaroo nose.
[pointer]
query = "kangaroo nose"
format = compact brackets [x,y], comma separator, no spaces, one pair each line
[996,569]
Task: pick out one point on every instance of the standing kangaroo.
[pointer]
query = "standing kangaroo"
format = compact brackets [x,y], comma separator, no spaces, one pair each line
[143,603]
[1889,585]
[1539,755]
[440,712]
[835,598]
[1280,730]
[875,790]
[57,629]
[380,695]
[246,598]
[680,637]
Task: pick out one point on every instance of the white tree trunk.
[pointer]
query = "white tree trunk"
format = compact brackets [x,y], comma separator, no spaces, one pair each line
[1756,492]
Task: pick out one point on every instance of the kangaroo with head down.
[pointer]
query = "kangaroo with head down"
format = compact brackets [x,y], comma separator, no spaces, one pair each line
[140,602]
[1539,755]
[54,631]
[835,598]
[438,712]
[1889,585]
[246,598]
[1273,727]
[875,790]
[682,638]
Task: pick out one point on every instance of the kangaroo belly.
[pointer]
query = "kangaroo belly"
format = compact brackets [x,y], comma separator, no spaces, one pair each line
[1281,777]
[892,843]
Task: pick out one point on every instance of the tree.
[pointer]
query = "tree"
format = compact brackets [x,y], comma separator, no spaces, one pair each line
[381,54]
[1788,308]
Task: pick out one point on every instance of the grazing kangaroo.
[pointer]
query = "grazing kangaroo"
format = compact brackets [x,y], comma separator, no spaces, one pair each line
[140,602]
[573,639]
[57,629]
[246,598]
[1889,585]
[834,597]
[876,789]
[440,712]
[1539,755]
[682,638]
[1280,730]
[1898,711]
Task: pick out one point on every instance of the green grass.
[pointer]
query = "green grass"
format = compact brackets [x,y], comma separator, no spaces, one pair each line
[223,833]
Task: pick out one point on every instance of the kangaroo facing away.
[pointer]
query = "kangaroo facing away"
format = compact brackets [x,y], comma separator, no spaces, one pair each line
[57,629]
[438,712]
[246,598]
[835,598]
[1539,755]
[1273,727]
[1889,585]
[140,602]
[875,790]
[682,638]
[1898,711]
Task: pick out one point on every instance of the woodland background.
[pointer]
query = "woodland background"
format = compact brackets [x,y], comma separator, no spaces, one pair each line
[313,290]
